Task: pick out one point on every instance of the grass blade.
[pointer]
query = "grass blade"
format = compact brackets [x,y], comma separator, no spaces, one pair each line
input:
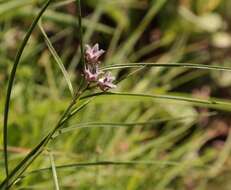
[105,163]
[24,164]
[11,82]
[184,65]
[53,167]
[57,59]
[119,125]
[78,3]
[213,103]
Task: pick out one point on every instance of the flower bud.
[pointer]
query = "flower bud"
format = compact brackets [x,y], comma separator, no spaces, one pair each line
[106,82]
[93,54]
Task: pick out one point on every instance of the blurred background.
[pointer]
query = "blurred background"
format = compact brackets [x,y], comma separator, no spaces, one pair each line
[178,145]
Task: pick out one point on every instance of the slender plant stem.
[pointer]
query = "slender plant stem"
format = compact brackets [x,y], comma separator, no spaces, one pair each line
[167,65]
[54,172]
[23,165]
[11,82]
[78,3]
[108,163]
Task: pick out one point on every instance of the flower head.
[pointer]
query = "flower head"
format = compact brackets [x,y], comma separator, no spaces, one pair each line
[93,54]
[106,82]
[91,73]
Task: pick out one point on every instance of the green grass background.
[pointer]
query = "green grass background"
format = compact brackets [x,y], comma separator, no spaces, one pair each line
[121,141]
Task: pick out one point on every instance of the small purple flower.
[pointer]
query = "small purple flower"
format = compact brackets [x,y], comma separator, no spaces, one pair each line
[105,83]
[91,69]
[93,54]
[91,73]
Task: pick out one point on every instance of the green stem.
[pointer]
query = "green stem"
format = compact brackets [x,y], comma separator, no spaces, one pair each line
[10,85]
[78,3]
[24,164]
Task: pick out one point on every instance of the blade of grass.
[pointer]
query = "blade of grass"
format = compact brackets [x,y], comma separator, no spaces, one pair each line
[217,104]
[75,111]
[87,35]
[53,167]
[57,59]
[78,4]
[34,153]
[11,81]
[184,65]
[106,163]
[116,125]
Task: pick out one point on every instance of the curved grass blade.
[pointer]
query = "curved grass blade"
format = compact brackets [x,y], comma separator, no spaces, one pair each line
[66,116]
[75,111]
[105,163]
[184,65]
[16,173]
[216,104]
[34,153]
[119,125]
[11,81]
[54,173]
[57,59]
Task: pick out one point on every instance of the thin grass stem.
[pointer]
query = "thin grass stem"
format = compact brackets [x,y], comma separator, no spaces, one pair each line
[78,3]
[167,65]
[54,172]
[25,163]
[11,82]
[108,163]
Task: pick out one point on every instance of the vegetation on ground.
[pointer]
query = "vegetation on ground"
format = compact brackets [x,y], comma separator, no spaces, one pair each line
[166,125]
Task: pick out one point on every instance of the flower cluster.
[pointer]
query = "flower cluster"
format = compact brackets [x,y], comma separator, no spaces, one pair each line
[91,69]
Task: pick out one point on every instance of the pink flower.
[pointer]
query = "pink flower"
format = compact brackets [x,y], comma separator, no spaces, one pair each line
[93,54]
[91,69]
[105,83]
[91,73]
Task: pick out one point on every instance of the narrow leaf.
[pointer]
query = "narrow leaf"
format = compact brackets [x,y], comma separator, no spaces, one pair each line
[184,65]
[37,150]
[118,125]
[212,102]
[53,167]
[57,59]
[10,86]
[107,163]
